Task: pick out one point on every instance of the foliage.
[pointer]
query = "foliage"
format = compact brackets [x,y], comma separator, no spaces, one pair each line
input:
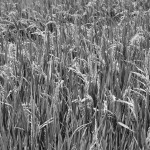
[74,75]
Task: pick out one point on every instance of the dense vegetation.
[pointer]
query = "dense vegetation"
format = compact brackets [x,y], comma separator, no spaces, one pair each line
[74,74]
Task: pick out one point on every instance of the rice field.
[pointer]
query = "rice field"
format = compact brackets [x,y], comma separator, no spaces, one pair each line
[74,74]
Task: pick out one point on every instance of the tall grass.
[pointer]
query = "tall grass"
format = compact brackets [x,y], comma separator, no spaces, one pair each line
[74,75]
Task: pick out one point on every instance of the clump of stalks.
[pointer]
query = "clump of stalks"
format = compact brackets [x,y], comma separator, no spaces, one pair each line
[74,75]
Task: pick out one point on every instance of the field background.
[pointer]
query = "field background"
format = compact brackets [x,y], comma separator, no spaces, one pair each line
[74,74]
